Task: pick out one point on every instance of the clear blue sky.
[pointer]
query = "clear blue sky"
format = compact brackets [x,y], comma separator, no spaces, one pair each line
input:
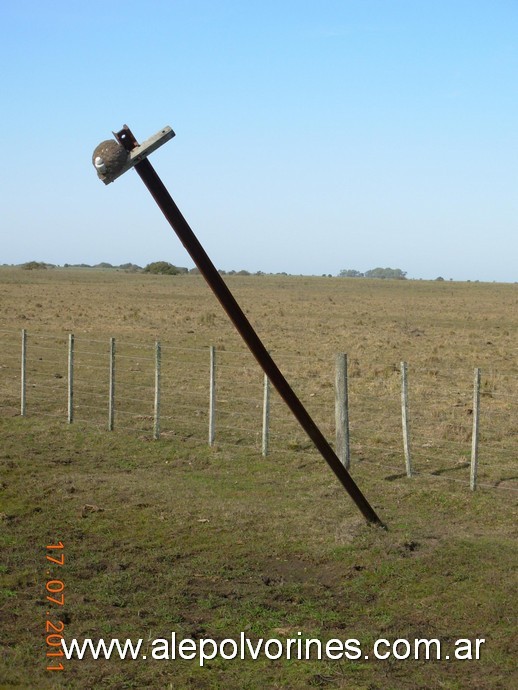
[311,136]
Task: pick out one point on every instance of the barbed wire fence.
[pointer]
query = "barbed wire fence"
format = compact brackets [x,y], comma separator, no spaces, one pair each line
[454,424]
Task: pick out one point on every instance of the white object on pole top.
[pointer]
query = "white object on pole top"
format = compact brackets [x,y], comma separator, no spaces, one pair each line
[100,165]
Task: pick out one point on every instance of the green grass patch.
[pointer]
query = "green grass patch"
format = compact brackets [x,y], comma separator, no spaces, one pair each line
[167,536]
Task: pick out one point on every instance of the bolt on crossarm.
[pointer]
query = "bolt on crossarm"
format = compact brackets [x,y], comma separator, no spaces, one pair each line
[136,157]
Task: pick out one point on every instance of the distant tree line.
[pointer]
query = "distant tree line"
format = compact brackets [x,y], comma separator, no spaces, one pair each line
[105,264]
[383,273]
[166,268]
[155,267]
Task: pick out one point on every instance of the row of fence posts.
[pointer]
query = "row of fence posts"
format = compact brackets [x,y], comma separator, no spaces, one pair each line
[342,432]
[342,418]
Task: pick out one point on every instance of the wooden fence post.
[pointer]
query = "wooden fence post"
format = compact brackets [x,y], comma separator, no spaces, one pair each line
[111,401]
[404,418]
[342,411]
[158,366]
[23,377]
[70,383]
[266,416]
[212,396]
[474,437]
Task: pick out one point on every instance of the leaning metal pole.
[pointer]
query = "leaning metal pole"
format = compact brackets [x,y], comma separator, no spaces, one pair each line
[232,308]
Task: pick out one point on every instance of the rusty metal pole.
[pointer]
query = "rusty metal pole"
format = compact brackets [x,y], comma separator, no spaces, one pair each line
[240,321]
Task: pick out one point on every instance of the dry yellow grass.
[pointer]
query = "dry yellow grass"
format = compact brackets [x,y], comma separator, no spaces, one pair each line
[442,329]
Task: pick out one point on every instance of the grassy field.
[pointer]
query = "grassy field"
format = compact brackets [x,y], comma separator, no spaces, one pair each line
[172,535]
[443,330]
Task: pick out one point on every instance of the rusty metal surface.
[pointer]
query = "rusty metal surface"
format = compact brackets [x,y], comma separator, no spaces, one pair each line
[242,324]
